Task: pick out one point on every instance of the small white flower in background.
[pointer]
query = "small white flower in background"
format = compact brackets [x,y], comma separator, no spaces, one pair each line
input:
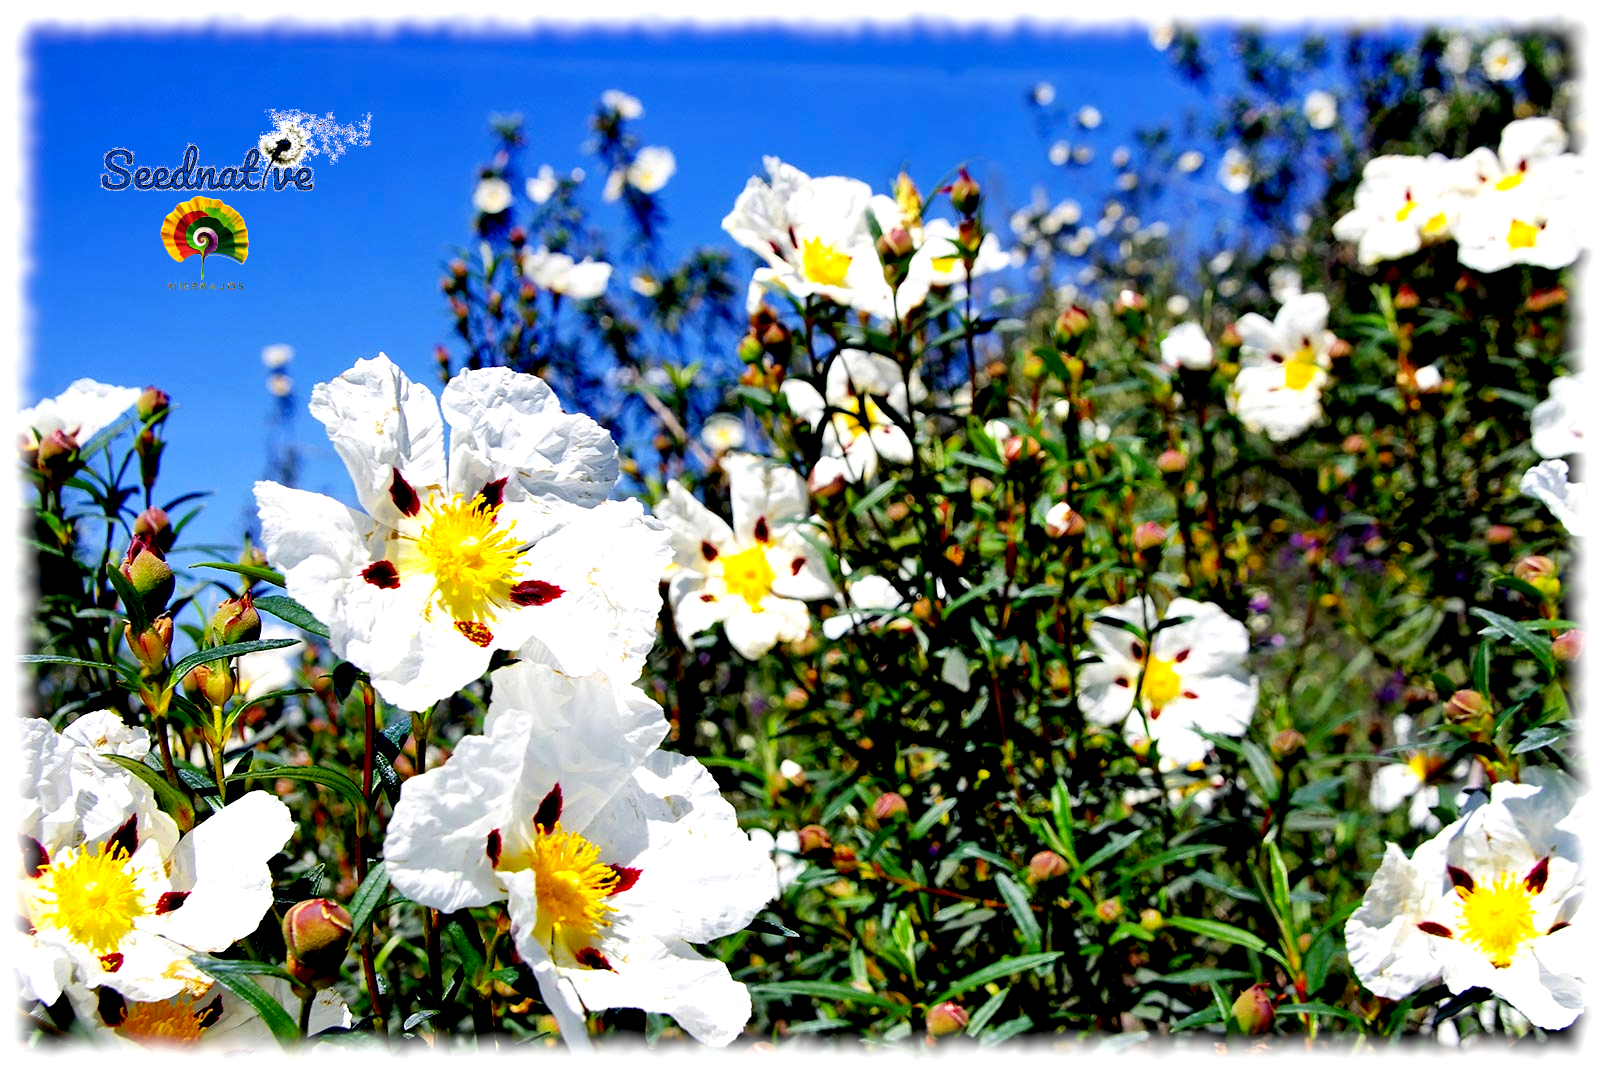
[1127,181]
[542,186]
[863,394]
[1082,155]
[1066,213]
[1283,283]
[792,771]
[867,602]
[1088,116]
[754,576]
[215,1022]
[620,102]
[1284,368]
[280,385]
[492,196]
[1493,901]
[1502,60]
[1560,419]
[1568,501]
[649,172]
[1177,305]
[559,273]
[1187,346]
[612,857]
[505,541]
[1044,94]
[1161,35]
[86,408]
[785,852]
[1059,153]
[1190,161]
[1120,156]
[1219,263]
[1402,203]
[938,263]
[1321,109]
[1190,675]
[644,285]
[275,356]
[723,432]
[1235,171]
[1457,56]
[1428,379]
[1524,201]
[1415,779]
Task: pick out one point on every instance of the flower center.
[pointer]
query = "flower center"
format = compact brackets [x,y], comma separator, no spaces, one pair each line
[1522,235]
[93,895]
[1497,917]
[748,574]
[1405,210]
[823,264]
[571,884]
[162,1022]
[1161,682]
[859,416]
[1510,181]
[1436,225]
[1298,375]
[472,561]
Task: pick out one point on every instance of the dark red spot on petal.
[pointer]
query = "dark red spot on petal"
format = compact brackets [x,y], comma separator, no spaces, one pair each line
[1276,358]
[111,961]
[708,598]
[533,592]
[708,550]
[208,1015]
[626,876]
[1557,926]
[1136,650]
[1538,876]
[126,838]
[111,1007]
[382,574]
[492,494]
[476,632]
[405,498]
[1124,683]
[797,565]
[761,531]
[34,857]
[170,902]
[492,848]
[1463,881]
[1155,713]
[1435,929]
[593,957]
[549,810]
[1181,656]
[1189,694]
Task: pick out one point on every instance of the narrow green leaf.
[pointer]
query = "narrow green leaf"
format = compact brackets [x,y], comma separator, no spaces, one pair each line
[1540,736]
[1201,975]
[368,896]
[241,985]
[981,1017]
[260,574]
[1005,1031]
[1002,969]
[132,602]
[828,991]
[209,655]
[339,783]
[293,612]
[1323,1009]
[930,817]
[1021,913]
[172,802]
[1106,851]
[71,661]
[1280,880]
[1200,1018]
[1217,931]
[1536,646]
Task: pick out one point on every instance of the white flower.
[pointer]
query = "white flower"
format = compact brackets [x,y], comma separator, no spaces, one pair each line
[723,432]
[1429,379]
[1283,283]
[1059,153]
[492,196]
[505,542]
[1492,901]
[812,232]
[1457,56]
[557,272]
[111,894]
[612,857]
[214,1022]
[1559,420]
[280,385]
[1190,161]
[648,173]
[1187,346]
[868,601]
[285,146]
[1058,520]
[753,576]
[275,356]
[626,106]
[1161,35]
[542,186]
[1523,202]
[1088,116]
[785,852]
[1414,779]
[1189,784]
[1401,203]
[1502,60]
[1235,171]
[1044,94]
[1568,501]
[1177,305]
[1188,676]
[1279,387]
[1321,109]
[86,408]
[863,395]
[938,263]
[644,285]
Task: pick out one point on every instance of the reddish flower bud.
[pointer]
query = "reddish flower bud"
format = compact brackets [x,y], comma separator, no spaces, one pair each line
[1541,573]
[1254,1010]
[154,526]
[1151,919]
[1499,534]
[147,571]
[234,621]
[965,194]
[1470,709]
[1148,536]
[214,681]
[844,859]
[1230,337]
[1109,910]
[1045,866]
[1071,324]
[1286,743]
[814,838]
[1172,461]
[1063,521]
[57,455]
[896,246]
[889,807]
[1406,298]
[1568,647]
[151,646]
[317,934]
[945,1019]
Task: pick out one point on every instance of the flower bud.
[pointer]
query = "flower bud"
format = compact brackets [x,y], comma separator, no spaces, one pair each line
[214,682]
[969,238]
[750,350]
[1151,920]
[814,838]
[234,621]
[1108,910]
[152,405]
[518,237]
[1172,461]
[1545,299]
[1340,348]
[1230,336]
[889,807]
[1353,445]
[1286,743]
[1018,447]
[1148,536]
[946,1019]
[1130,300]
[844,859]
[908,199]
[1045,866]
[1406,298]
[147,571]
[154,526]
[1470,709]
[965,194]
[1568,647]
[1254,1010]
[775,338]
[151,646]
[316,934]
[896,246]
[458,269]
[57,455]
[1062,521]
[1499,534]
[1541,573]
[149,448]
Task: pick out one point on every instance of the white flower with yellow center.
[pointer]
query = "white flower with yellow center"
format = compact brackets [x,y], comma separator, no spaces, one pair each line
[492,196]
[1187,346]
[214,1022]
[1502,60]
[751,577]
[1278,390]
[1164,685]
[864,394]
[611,856]
[624,105]
[1402,203]
[560,273]
[86,408]
[125,905]
[1524,201]
[813,235]
[722,432]
[938,263]
[507,543]
[1235,172]
[1321,109]
[1560,420]
[1567,500]
[1492,901]
[649,172]
[1415,779]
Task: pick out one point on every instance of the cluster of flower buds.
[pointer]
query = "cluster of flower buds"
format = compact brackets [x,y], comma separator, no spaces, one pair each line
[152,407]
[767,336]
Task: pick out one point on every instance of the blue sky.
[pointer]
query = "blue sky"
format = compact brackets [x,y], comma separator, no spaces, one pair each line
[351,268]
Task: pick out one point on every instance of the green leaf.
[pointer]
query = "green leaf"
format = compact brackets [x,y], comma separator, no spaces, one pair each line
[981,1017]
[1199,1018]
[470,955]
[1280,880]
[339,783]
[1217,931]
[291,611]
[1536,646]
[1106,851]
[132,602]
[1004,1032]
[1200,975]
[1323,1009]
[1171,855]
[369,896]
[260,574]
[1002,969]
[241,985]
[1540,736]
[828,991]
[71,661]
[930,817]
[173,802]
[210,655]
[1021,913]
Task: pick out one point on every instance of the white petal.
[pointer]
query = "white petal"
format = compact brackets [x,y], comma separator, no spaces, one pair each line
[804,400]
[671,978]
[222,865]
[1389,954]
[761,489]
[84,409]
[753,633]
[799,570]
[692,525]
[695,609]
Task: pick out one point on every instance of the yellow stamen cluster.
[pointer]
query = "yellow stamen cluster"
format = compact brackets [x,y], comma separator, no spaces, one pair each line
[748,574]
[1522,234]
[1497,917]
[162,1022]
[822,263]
[1161,683]
[92,894]
[572,886]
[472,561]
[858,417]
